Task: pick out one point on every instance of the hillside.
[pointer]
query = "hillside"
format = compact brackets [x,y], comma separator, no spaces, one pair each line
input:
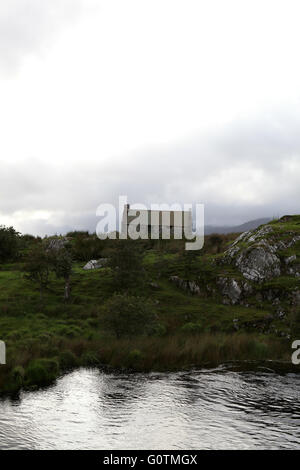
[236,300]
[261,270]
[251,225]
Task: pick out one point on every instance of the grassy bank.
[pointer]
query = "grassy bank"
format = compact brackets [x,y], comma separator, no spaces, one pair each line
[40,363]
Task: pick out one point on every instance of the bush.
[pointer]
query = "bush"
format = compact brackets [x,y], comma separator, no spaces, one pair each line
[127,263]
[159,330]
[192,328]
[17,376]
[260,350]
[77,234]
[42,371]
[9,243]
[62,266]
[86,247]
[72,331]
[89,359]
[67,360]
[38,266]
[135,357]
[128,316]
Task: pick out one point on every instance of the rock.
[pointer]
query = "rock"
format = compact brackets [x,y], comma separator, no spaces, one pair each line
[272,295]
[258,264]
[230,289]
[294,270]
[295,300]
[190,286]
[261,324]
[292,267]
[91,264]
[256,254]
[154,285]
[193,287]
[233,291]
[57,243]
[280,314]
[247,288]
[176,280]
[290,259]
[96,264]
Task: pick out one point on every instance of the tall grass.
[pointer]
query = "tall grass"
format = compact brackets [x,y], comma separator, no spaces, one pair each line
[175,352]
[172,352]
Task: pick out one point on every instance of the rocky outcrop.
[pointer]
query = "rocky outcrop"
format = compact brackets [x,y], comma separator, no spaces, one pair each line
[256,254]
[262,325]
[190,286]
[233,291]
[292,267]
[56,244]
[230,289]
[258,264]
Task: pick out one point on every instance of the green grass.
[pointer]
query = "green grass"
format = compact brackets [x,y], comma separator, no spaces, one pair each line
[38,331]
[45,336]
[291,224]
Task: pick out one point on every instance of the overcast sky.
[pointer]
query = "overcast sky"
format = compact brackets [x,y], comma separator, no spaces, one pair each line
[194,101]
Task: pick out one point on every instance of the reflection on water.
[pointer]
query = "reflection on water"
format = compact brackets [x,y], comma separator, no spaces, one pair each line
[212,409]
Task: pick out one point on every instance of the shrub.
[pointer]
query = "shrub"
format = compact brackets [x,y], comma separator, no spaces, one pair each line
[67,360]
[41,371]
[86,247]
[128,316]
[192,328]
[90,358]
[77,234]
[9,243]
[127,263]
[72,331]
[17,376]
[159,330]
[260,350]
[40,316]
[62,266]
[38,266]
[135,357]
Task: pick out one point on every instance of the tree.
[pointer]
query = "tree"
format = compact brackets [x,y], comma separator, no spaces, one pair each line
[9,243]
[188,258]
[62,265]
[42,260]
[86,247]
[216,241]
[38,267]
[127,262]
[128,316]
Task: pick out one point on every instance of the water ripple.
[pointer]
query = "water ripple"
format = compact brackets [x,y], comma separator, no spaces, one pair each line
[213,409]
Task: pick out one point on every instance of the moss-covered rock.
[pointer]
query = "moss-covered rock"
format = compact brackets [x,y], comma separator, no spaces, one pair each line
[259,255]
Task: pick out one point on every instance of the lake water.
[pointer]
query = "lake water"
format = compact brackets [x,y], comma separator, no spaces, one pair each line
[207,409]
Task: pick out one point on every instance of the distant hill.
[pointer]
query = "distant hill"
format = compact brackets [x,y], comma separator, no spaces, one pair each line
[251,225]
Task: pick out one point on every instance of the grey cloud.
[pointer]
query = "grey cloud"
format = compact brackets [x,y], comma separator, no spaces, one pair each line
[26,26]
[177,172]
